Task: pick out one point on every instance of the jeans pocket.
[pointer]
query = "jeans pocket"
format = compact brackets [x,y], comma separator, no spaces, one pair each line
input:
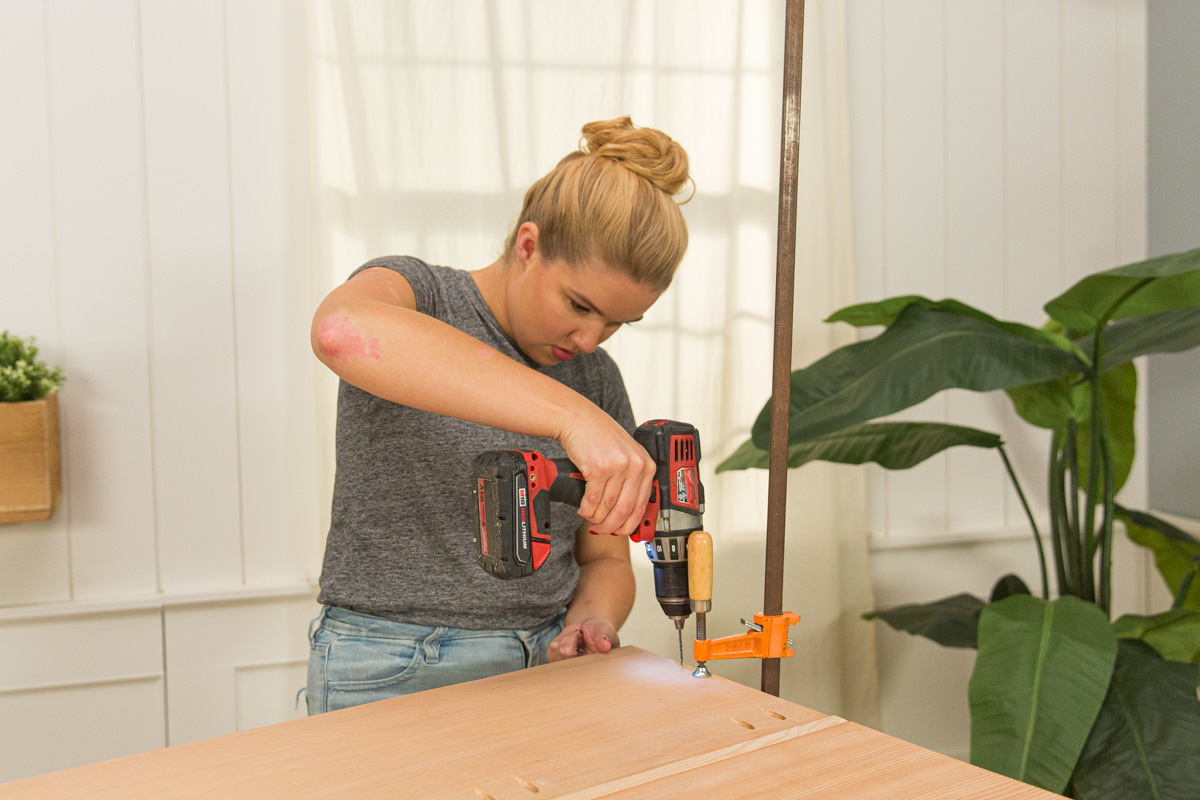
[364,664]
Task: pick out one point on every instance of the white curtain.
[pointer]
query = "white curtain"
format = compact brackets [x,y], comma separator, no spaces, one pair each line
[431,118]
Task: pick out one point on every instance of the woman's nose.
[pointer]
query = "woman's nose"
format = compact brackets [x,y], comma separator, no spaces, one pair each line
[588,337]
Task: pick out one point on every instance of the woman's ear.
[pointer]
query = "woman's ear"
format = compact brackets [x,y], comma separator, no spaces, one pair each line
[526,242]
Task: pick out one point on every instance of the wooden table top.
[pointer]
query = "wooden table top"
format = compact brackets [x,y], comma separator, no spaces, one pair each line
[629,724]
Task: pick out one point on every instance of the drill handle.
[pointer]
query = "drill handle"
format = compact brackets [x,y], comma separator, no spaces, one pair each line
[567,486]
[565,481]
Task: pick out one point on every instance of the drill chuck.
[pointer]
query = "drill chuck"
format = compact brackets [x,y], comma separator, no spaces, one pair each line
[671,588]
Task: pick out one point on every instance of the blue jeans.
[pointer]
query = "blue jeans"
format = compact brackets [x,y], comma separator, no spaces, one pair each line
[358,658]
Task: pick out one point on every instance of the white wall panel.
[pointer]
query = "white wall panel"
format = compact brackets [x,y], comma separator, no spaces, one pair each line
[266,694]
[1032,146]
[914,191]
[273,287]
[27,296]
[1132,137]
[83,688]
[210,647]
[191,297]
[864,102]
[33,556]
[1089,137]
[99,200]
[58,728]
[1033,271]
[974,149]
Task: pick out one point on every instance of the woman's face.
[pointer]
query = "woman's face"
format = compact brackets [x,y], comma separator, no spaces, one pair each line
[556,311]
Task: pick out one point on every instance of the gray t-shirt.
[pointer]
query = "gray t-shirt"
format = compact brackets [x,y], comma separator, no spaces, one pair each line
[400,542]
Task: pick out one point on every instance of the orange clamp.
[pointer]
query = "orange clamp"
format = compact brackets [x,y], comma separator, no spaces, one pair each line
[770,642]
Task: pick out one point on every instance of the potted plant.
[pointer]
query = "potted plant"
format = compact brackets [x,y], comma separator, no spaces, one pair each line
[1061,696]
[30,466]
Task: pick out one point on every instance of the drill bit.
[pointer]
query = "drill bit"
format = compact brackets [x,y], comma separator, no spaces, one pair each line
[679,630]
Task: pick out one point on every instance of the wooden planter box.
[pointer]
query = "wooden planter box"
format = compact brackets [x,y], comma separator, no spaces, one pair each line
[30,466]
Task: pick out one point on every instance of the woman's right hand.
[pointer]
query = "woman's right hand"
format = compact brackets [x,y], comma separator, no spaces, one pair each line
[617,470]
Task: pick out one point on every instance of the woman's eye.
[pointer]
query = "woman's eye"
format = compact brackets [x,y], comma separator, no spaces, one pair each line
[580,308]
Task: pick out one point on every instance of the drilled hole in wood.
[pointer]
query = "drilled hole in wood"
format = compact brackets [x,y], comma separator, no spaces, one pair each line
[527,785]
[482,795]
[774,714]
[743,723]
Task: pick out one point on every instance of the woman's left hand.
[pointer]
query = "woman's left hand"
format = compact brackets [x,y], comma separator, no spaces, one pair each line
[591,635]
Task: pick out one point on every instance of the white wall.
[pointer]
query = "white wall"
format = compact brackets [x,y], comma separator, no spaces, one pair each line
[998,154]
[153,206]
[154,203]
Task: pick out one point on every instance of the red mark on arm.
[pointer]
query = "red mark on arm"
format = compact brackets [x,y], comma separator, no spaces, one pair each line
[339,339]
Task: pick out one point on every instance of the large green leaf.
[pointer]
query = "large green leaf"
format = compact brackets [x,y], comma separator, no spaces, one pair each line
[923,352]
[951,621]
[1050,404]
[892,445]
[1039,680]
[1148,287]
[1176,553]
[1170,332]
[1175,634]
[1118,394]
[1146,740]
[885,312]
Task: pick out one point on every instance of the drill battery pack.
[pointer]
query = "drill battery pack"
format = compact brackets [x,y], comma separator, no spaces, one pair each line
[513,490]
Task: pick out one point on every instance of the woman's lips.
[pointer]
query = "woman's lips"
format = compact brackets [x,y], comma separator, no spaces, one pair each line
[560,354]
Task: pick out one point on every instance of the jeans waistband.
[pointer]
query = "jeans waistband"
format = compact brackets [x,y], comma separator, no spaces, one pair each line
[356,623]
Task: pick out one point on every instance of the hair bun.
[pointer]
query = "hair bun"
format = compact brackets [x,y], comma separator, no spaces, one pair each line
[646,152]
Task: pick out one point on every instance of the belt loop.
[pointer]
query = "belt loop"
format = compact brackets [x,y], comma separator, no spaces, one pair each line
[316,623]
[431,645]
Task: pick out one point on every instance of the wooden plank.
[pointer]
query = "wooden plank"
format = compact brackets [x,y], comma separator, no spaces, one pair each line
[839,761]
[622,725]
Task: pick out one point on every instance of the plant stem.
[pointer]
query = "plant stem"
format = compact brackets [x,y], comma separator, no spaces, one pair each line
[1077,548]
[1106,554]
[1037,536]
[1096,447]
[1058,517]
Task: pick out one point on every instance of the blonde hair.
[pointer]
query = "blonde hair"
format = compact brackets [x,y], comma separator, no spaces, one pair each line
[614,200]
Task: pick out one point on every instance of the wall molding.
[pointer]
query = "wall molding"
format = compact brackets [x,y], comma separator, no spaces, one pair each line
[150,677]
[155,602]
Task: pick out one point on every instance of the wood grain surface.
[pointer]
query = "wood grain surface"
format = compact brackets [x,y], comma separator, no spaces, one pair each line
[629,724]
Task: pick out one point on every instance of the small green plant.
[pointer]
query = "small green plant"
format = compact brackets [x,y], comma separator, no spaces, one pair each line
[24,376]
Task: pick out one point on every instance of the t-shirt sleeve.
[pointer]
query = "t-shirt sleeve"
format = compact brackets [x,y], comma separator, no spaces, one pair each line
[418,274]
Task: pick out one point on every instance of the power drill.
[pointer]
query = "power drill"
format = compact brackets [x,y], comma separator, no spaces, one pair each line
[514,489]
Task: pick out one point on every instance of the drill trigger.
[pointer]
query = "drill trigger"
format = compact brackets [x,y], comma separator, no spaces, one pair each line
[645,529]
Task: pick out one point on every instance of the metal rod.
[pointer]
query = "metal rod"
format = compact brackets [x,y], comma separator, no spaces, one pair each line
[781,373]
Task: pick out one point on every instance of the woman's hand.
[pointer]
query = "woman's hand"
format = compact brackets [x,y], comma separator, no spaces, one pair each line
[591,635]
[618,472]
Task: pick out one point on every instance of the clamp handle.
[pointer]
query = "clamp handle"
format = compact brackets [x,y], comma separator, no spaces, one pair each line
[700,569]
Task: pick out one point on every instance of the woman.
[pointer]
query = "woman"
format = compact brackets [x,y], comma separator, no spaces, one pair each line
[438,365]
